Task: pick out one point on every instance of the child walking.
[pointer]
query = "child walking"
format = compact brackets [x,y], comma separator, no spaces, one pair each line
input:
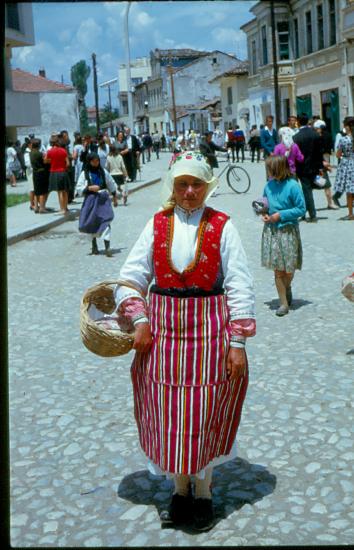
[116,167]
[281,242]
[96,212]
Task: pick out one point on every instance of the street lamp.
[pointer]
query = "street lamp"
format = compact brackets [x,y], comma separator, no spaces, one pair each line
[129,84]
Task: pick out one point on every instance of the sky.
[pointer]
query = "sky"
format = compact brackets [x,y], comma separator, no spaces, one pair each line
[66,32]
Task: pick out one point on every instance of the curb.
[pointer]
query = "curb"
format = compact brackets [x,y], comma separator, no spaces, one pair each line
[62,219]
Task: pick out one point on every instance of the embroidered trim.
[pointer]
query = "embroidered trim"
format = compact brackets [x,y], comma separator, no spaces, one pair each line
[201,230]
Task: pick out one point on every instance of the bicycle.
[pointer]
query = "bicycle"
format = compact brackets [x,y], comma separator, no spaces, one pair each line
[237,177]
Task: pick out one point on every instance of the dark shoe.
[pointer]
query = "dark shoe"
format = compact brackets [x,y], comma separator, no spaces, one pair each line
[203,514]
[311,220]
[180,510]
[94,247]
[108,250]
[289,295]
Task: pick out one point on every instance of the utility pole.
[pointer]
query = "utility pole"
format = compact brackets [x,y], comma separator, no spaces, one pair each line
[129,81]
[170,70]
[275,68]
[95,89]
[108,84]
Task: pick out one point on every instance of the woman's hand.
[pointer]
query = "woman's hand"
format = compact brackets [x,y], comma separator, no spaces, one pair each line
[143,337]
[94,188]
[236,363]
[271,219]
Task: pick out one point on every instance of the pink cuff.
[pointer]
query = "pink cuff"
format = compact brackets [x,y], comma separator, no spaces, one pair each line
[133,309]
[243,328]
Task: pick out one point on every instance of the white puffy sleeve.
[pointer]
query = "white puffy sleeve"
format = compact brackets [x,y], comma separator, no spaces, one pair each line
[81,185]
[137,270]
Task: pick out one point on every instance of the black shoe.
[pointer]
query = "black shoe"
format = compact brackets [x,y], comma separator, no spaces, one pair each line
[311,220]
[180,510]
[94,247]
[336,201]
[108,250]
[289,295]
[203,514]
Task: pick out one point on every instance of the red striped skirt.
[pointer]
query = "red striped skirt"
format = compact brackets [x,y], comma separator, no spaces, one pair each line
[186,409]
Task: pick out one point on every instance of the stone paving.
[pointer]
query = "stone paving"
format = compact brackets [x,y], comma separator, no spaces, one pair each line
[78,476]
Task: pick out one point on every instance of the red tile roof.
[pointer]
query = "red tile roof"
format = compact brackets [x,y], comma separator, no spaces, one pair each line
[24,81]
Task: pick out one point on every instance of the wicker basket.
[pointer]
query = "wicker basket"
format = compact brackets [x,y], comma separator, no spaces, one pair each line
[99,340]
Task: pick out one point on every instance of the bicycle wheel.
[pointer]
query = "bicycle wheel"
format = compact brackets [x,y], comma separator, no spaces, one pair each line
[238,179]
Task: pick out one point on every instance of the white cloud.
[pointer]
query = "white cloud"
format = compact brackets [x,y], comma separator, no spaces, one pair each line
[88,33]
[230,40]
[142,19]
[210,19]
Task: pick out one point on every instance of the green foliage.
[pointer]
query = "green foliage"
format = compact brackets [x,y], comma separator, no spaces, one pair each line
[79,75]
[106,115]
[13,199]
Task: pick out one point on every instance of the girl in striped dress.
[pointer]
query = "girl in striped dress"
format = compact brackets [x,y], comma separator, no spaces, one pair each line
[187,288]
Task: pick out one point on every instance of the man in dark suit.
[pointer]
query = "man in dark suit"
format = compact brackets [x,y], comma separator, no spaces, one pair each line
[310,145]
[207,148]
[131,159]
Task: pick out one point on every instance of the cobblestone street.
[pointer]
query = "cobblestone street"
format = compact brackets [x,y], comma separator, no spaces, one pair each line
[78,476]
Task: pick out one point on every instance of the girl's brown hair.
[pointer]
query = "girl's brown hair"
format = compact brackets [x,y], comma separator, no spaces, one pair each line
[277,167]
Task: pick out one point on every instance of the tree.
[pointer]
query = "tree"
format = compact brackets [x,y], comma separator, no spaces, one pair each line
[106,114]
[79,75]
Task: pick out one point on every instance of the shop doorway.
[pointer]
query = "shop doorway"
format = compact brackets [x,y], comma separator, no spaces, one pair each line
[304,105]
[330,110]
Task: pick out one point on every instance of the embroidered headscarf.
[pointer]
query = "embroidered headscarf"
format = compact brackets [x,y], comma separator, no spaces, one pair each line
[286,136]
[188,163]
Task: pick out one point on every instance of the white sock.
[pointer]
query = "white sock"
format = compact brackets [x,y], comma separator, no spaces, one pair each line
[182,483]
[203,486]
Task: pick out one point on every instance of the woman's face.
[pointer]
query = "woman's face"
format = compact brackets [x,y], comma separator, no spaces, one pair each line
[189,191]
[120,136]
[95,163]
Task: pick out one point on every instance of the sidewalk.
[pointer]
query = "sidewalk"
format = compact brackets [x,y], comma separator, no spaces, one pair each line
[23,222]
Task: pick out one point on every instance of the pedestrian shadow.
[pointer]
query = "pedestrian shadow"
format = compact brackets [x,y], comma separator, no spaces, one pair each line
[297,303]
[235,483]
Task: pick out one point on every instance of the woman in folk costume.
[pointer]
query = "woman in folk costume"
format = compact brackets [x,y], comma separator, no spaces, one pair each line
[190,371]
[96,212]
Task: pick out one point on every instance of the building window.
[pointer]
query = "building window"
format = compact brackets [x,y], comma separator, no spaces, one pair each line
[215,60]
[12,16]
[264,45]
[229,95]
[309,32]
[283,39]
[332,21]
[320,35]
[254,56]
[296,39]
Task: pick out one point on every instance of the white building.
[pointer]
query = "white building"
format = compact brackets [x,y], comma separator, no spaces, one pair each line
[140,71]
[192,73]
[235,105]
[21,109]
[58,105]
[315,54]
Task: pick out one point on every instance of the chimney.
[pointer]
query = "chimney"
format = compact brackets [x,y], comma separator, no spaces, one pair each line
[41,72]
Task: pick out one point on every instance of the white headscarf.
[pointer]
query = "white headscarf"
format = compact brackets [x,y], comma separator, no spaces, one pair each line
[189,163]
[286,135]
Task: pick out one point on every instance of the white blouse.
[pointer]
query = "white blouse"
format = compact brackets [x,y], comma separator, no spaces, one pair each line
[138,268]
[82,183]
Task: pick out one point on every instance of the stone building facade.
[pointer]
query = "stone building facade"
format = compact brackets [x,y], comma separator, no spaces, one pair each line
[315,56]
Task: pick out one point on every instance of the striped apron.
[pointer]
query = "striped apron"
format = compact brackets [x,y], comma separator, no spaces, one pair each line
[186,409]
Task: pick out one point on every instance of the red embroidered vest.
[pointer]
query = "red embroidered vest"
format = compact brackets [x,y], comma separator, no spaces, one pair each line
[202,272]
